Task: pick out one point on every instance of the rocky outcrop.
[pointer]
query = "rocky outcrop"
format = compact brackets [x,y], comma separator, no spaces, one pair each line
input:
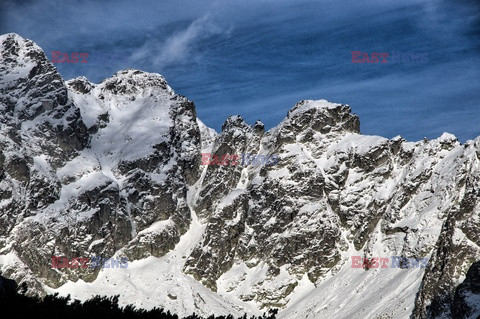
[466,301]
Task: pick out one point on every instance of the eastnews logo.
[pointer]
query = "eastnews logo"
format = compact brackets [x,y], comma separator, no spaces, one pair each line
[89,262]
[397,262]
[242,159]
[64,57]
[393,57]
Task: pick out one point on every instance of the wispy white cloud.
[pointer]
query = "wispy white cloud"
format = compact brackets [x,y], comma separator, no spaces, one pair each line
[179,47]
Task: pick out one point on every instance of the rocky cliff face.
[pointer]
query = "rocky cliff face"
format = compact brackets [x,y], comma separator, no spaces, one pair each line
[114,169]
[90,169]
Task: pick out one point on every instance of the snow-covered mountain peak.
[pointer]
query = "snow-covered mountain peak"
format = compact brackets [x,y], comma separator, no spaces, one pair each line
[309,104]
[15,48]
[29,83]
[235,122]
[132,82]
[309,117]
[80,85]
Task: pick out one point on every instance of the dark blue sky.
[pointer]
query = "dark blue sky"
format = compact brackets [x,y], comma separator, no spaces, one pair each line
[257,58]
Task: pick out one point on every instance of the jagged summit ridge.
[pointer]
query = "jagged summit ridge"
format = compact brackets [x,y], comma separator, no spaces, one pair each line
[29,84]
[324,116]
